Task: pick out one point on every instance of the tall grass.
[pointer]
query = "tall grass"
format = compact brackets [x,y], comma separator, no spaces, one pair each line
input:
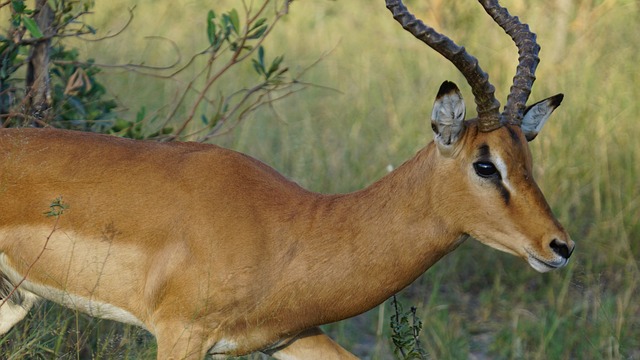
[476,303]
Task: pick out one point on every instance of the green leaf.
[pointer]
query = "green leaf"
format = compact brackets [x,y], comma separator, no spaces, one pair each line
[78,106]
[235,20]
[204,119]
[120,124]
[211,27]
[215,119]
[258,23]
[275,65]
[33,28]
[18,6]
[217,44]
[227,25]
[258,33]
[258,67]
[140,115]
[261,56]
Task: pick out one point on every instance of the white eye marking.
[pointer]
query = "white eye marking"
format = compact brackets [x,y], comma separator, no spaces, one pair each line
[504,173]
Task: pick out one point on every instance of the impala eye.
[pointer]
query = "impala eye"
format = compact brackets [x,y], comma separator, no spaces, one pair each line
[486,169]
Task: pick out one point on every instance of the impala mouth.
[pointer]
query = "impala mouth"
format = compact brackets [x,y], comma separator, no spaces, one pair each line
[544,266]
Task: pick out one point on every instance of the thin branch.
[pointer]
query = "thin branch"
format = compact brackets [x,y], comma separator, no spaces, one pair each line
[35,41]
[131,66]
[120,31]
[26,273]
[55,33]
[250,109]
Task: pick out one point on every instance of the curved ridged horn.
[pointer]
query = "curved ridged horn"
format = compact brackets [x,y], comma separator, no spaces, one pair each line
[487,105]
[528,59]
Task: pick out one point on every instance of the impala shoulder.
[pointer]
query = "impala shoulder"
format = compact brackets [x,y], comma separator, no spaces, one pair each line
[249,172]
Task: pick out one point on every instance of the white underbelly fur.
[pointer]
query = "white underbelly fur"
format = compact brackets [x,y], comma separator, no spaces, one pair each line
[91,307]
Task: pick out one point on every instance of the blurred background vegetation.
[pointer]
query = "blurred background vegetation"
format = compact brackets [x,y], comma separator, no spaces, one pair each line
[367,90]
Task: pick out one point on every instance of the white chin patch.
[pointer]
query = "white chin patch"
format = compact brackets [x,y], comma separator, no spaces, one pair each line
[538,265]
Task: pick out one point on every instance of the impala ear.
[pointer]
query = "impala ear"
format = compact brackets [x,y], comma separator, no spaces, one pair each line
[447,117]
[537,114]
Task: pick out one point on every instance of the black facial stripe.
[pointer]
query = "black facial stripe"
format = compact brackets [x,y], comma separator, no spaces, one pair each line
[506,196]
[484,154]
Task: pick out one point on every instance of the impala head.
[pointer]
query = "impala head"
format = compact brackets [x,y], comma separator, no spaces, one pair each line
[490,155]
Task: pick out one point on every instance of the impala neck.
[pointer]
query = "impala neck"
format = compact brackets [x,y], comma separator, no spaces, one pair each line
[367,245]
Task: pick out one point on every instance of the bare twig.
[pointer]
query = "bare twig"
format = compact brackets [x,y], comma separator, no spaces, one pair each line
[26,273]
[131,66]
[119,31]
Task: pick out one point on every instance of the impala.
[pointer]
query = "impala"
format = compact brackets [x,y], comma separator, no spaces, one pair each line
[216,253]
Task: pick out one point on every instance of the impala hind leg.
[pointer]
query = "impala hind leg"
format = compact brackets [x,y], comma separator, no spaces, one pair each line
[311,344]
[15,304]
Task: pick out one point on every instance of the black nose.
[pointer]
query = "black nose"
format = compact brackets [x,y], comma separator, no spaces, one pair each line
[560,248]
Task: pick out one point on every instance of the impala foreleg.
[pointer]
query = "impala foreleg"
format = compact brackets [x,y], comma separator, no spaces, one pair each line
[181,340]
[311,344]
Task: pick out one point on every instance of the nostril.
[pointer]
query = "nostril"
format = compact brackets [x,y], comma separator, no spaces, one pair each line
[560,248]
